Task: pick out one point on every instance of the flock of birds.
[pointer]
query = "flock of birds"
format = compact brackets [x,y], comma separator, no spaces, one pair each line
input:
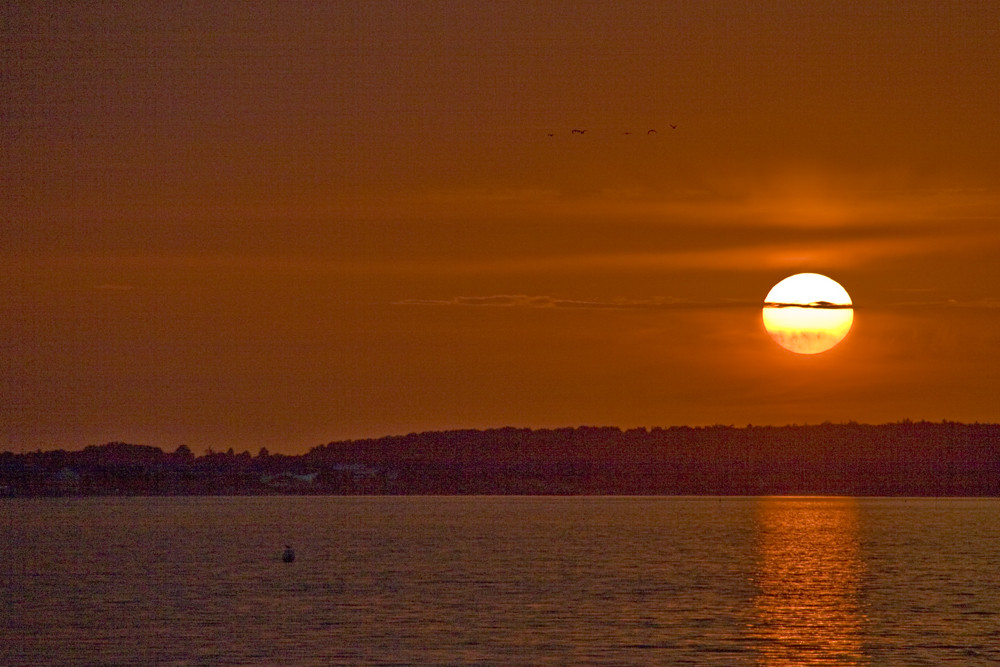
[579,131]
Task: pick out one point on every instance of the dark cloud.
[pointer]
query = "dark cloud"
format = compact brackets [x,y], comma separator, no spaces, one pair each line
[823,305]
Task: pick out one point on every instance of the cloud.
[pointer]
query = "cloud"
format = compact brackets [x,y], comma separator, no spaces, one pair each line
[527,301]
[985,303]
[530,301]
[824,305]
[672,247]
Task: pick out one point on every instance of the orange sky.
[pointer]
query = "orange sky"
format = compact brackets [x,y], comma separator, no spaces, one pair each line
[281,224]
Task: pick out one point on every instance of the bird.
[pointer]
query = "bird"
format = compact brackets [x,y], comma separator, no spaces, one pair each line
[673,127]
[651,132]
[628,133]
[551,134]
[575,131]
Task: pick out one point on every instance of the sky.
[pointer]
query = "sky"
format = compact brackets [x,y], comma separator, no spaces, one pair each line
[280,224]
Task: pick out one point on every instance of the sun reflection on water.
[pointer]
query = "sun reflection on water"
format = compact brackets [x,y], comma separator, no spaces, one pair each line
[808,578]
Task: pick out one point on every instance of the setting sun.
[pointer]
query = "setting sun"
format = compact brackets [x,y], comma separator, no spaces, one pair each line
[808,313]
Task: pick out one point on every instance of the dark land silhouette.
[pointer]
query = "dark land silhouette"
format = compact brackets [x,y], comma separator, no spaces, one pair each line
[901,459]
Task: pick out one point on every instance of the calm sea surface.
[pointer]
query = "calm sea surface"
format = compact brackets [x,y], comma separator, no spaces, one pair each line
[500,581]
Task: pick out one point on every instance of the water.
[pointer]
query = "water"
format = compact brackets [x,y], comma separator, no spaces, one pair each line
[500,581]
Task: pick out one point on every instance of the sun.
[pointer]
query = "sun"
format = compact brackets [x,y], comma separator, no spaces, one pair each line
[808,313]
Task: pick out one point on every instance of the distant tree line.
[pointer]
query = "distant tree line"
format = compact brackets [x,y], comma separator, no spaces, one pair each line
[900,459]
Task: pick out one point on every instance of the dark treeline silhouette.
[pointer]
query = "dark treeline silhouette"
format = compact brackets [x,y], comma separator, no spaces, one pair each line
[901,459]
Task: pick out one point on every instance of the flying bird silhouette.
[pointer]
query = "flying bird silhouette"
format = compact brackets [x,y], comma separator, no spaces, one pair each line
[577,131]
[651,132]
[673,127]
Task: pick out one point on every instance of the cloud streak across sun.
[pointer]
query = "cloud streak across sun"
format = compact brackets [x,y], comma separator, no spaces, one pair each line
[822,305]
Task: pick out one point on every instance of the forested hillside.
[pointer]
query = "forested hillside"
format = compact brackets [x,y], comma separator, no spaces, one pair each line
[905,458]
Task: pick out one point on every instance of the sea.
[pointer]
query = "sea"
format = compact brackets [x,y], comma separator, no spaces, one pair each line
[509,580]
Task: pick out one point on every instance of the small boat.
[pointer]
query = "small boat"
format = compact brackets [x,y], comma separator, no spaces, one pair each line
[288,555]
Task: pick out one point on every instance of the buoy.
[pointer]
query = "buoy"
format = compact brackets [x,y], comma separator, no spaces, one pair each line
[288,555]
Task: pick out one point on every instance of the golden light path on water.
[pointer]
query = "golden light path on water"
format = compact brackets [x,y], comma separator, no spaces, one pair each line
[808,577]
[808,313]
